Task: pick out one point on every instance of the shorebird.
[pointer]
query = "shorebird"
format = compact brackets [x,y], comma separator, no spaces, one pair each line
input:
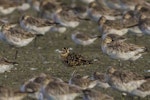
[84,82]
[122,4]
[118,49]
[95,11]
[10,94]
[83,1]
[100,77]
[6,65]
[130,20]
[72,59]
[48,7]
[80,11]
[7,7]
[15,36]
[35,85]
[36,25]
[124,80]
[60,91]
[66,17]
[90,94]
[83,38]
[111,26]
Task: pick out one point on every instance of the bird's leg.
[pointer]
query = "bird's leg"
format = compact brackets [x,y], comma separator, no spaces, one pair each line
[35,40]
[131,63]
[16,53]
[120,63]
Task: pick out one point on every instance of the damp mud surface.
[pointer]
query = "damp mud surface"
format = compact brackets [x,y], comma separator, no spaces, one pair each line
[40,57]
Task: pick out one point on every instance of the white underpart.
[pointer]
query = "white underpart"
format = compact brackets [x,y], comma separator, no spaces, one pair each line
[8,10]
[58,29]
[135,30]
[93,84]
[18,42]
[65,23]
[95,17]
[4,67]
[35,29]
[24,6]
[82,42]
[140,93]
[61,97]
[127,87]
[145,30]
[148,71]
[87,1]
[103,85]
[120,32]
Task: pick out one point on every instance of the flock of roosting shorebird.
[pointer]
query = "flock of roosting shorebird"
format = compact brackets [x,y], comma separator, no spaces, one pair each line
[114,19]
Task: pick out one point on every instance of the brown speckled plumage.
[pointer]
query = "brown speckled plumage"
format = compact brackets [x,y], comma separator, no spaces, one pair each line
[37,21]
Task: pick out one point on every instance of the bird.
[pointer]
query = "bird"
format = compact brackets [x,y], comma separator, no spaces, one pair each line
[66,17]
[7,93]
[6,65]
[124,80]
[83,82]
[122,5]
[7,7]
[80,11]
[90,94]
[46,8]
[130,20]
[83,38]
[72,59]
[83,1]
[61,91]
[36,25]
[16,37]
[111,26]
[96,10]
[34,85]
[47,87]
[118,49]
[100,77]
